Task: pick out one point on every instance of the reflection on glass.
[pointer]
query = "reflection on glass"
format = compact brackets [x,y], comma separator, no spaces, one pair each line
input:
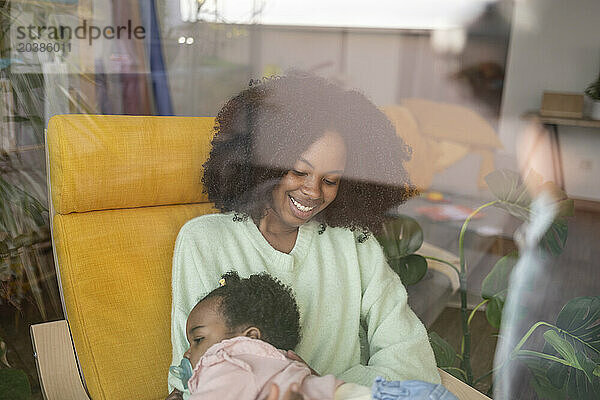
[452,77]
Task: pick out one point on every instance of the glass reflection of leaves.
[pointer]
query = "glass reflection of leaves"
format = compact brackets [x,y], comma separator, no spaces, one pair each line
[578,345]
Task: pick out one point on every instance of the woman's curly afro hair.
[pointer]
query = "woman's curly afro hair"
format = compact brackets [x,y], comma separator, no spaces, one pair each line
[261,132]
[263,302]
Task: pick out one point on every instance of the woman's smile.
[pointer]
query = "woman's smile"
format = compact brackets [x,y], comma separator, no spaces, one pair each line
[301,208]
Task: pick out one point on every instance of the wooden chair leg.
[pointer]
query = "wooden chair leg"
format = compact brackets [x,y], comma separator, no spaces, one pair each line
[56,362]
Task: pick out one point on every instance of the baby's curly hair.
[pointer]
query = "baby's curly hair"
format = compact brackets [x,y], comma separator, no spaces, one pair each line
[261,301]
[261,132]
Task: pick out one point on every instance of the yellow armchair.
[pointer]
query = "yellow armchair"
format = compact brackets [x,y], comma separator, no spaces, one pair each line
[120,188]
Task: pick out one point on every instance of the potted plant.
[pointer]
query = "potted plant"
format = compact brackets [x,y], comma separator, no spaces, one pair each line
[13,382]
[568,364]
[593,92]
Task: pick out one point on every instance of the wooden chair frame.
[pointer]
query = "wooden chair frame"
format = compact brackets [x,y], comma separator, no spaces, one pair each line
[58,368]
[60,379]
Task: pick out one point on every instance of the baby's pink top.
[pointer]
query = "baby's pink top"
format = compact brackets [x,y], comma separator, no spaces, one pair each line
[242,368]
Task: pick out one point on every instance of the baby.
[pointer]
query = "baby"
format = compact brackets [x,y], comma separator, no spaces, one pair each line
[236,333]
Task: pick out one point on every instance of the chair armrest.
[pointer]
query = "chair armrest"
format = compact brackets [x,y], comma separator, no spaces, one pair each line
[430,250]
[459,388]
[56,363]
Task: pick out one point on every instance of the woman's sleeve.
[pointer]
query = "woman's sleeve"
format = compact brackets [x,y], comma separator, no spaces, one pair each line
[186,288]
[398,344]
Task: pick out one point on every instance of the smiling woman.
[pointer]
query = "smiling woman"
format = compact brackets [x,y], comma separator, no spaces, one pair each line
[304,191]
[303,171]
[263,133]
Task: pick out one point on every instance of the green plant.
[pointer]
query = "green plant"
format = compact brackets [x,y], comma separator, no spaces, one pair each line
[14,384]
[401,237]
[514,196]
[593,90]
[568,363]
[23,228]
[24,224]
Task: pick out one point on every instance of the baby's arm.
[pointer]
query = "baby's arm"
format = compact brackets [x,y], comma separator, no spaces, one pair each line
[293,393]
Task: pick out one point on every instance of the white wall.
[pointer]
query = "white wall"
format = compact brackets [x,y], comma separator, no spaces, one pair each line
[555,45]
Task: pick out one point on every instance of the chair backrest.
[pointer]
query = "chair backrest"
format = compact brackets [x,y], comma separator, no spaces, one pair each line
[121,188]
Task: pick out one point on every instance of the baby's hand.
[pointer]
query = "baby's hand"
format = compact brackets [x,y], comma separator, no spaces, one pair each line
[293,393]
[291,354]
[175,395]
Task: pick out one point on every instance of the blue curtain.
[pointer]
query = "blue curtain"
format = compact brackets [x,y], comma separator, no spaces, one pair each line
[158,74]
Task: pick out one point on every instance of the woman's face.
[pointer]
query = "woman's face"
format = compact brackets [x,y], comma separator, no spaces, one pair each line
[313,182]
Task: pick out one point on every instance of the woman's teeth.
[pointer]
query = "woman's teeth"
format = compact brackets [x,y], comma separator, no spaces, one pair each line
[300,206]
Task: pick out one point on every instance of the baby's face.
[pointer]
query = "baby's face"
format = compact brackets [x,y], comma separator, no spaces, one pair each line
[205,327]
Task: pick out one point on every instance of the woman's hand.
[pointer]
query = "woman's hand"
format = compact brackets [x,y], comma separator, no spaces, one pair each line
[293,393]
[296,357]
[175,395]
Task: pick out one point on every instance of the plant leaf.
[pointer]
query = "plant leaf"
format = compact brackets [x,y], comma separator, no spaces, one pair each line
[411,269]
[516,196]
[445,356]
[580,317]
[555,239]
[545,389]
[576,359]
[557,374]
[493,312]
[14,384]
[589,367]
[564,348]
[540,381]
[400,237]
[513,194]
[578,386]
[495,283]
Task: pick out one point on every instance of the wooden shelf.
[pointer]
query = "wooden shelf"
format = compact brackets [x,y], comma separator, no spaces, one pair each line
[552,124]
[581,122]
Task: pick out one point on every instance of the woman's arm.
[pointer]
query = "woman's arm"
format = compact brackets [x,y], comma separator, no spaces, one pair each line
[398,345]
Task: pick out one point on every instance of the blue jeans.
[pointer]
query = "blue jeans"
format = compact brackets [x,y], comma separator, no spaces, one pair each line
[414,390]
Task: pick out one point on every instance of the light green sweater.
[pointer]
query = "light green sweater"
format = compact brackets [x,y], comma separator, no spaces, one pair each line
[345,291]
